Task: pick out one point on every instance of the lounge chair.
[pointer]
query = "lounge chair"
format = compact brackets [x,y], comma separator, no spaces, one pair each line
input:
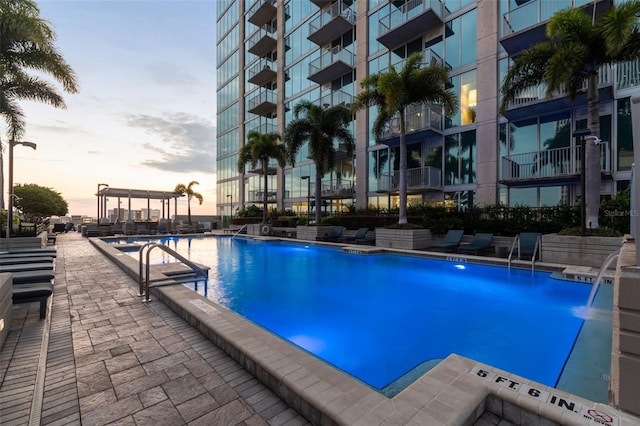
[49,252]
[33,266]
[33,292]
[142,229]
[451,240]
[162,228]
[360,234]
[91,230]
[24,277]
[369,239]
[481,241]
[21,260]
[333,236]
[527,242]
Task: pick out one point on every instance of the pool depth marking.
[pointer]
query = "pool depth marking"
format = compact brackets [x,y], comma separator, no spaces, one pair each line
[580,411]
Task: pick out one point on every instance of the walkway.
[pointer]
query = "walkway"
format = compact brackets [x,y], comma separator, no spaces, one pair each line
[104,357]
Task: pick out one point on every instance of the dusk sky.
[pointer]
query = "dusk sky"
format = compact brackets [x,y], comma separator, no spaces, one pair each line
[145,114]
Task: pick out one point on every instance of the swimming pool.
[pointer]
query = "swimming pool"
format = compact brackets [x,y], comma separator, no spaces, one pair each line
[377,317]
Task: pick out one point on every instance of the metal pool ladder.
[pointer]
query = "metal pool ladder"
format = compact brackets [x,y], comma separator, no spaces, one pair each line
[195,273]
[536,250]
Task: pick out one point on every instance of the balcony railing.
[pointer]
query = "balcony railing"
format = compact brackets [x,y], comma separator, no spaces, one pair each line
[422,178]
[412,18]
[263,40]
[263,128]
[419,117]
[331,64]
[263,71]
[262,11]
[539,93]
[628,74]
[550,163]
[264,102]
[258,196]
[429,57]
[332,23]
[344,189]
[335,98]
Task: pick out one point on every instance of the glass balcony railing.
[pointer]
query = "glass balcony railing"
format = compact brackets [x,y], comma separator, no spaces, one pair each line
[628,74]
[408,11]
[337,9]
[335,98]
[417,179]
[331,56]
[417,118]
[550,163]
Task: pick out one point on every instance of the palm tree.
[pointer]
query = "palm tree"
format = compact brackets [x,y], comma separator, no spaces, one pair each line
[190,193]
[260,148]
[26,44]
[577,48]
[319,127]
[392,92]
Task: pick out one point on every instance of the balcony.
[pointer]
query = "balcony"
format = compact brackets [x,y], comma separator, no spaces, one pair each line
[263,40]
[258,196]
[551,166]
[321,3]
[262,11]
[421,122]
[263,72]
[409,21]
[337,191]
[534,101]
[418,180]
[525,25]
[264,103]
[336,98]
[263,128]
[429,57]
[628,74]
[331,64]
[332,23]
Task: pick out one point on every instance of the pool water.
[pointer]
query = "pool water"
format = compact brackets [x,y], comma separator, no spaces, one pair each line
[377,317]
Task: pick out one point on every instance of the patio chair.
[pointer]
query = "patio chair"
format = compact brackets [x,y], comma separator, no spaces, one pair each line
[369,239]
[360,234]
[33,292]
[481,241]
[527,243]
[333,236]
[33,266]
[451,240]
[162,228]
[23,277]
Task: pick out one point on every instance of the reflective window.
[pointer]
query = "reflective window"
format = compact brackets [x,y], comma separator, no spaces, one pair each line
[465,88]
[459,158]
[624,135]
[296,12]
[374,19]
[461,40]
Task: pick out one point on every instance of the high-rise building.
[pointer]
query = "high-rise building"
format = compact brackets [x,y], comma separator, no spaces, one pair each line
[274,53]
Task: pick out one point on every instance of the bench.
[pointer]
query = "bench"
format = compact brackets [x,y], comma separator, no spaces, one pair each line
[33,292]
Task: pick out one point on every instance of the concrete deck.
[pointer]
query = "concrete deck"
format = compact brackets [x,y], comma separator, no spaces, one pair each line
[103,357]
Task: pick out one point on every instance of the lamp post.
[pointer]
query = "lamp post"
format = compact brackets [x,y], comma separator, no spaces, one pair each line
[99,197]
[13,143]
[582,136]
[231,208]
[308,179]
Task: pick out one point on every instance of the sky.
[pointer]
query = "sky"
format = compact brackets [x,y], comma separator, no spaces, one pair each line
[144,117]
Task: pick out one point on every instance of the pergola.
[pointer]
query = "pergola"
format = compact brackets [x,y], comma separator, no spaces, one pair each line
[129,194]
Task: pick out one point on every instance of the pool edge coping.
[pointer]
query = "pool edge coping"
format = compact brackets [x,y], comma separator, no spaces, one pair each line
[449,394]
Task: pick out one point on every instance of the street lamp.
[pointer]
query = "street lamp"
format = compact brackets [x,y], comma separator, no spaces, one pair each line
[231,208]
[99,196]
[13,143]
[308,179]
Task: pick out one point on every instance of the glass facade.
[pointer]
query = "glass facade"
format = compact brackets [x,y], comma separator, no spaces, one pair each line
[321,50]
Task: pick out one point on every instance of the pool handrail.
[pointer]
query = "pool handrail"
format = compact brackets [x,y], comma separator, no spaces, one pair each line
[536,249]
[145,284]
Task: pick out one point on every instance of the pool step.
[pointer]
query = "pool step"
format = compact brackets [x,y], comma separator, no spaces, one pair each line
[587,274]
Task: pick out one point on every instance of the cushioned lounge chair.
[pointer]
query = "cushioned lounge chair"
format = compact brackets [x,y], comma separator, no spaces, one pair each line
[527,242]
[24,259]
[30,251]
[33,266]
[481,241]
[369,239]
[333,236]
[360,234]
[33,292]
[24,277]
[451,240]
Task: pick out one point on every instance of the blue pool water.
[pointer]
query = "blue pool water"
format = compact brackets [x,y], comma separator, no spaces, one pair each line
[379,316]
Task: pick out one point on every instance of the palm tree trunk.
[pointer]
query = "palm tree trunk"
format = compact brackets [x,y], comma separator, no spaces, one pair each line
[265,197]
[402,185]
[592,169]
[189,208]
[1,177]
[318,198]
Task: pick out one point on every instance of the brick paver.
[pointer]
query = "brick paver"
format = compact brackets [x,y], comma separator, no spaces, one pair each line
[112,359]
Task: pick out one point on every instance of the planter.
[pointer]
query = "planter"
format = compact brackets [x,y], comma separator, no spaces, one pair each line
[310,233]
[408,239]
[574,250]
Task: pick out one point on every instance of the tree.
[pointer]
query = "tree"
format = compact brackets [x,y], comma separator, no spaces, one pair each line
[260,148]
[27,44]
[190,193]
[319,127]
[38,202]
[392,92]
[577,47]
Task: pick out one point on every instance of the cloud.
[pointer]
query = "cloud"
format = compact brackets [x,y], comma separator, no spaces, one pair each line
[187,142]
